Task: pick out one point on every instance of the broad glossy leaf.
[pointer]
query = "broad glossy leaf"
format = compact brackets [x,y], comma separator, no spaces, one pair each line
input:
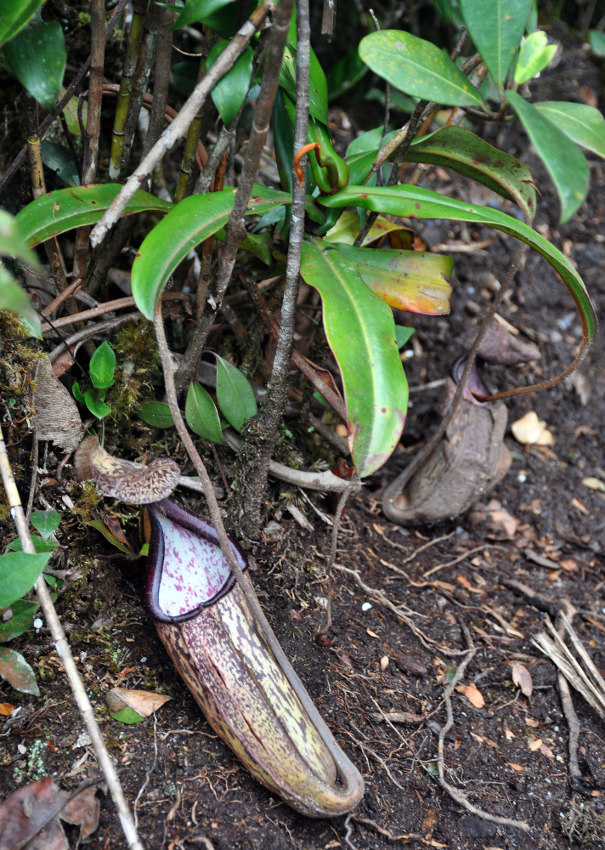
[45,522]
[318,87]
[201,413]
[190,222]
[406,280]
[534,56]
[564,161]
[234,394]
[466,153]
[496,28]
[417,67]
[15,15]
[21,618]
[219,15]
[37,58]
[157,414]
[416,202]
[18,574]
[360,331]
[583,124]
[230,91]
[17,672]
[102,365]
[57,212]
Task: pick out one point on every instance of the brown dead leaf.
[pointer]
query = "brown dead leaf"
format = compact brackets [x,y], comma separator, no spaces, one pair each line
[30,816]
[466,583]
[522,678]
[473,694]
[371,633]
[57,416]
[594,483]
[546,751]
[518,768]
[143,703]
[535,744]
[579,506]
[428,821]
[531,431]
[498,521]
[6,709]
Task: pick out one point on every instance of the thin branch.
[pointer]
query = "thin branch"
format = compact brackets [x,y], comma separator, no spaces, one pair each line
[64,653]
[179,127]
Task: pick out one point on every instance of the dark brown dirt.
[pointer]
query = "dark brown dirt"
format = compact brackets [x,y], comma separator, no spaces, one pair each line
[508,757]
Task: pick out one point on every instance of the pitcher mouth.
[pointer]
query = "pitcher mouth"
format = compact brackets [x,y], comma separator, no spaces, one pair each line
[181,583]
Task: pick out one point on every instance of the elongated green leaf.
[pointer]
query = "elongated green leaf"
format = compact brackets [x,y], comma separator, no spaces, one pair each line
[201,413]
[417,67]
[13,241]
[597,42]
[406,280]
[21,617]
[45,522]
[230,91]
[415,202]
[496,28]
[361,333]
[234,394]
[583,124]
[37,58]
[466,153]
[102,365]
[190,222]
[534,56]
[565,163]
[17,672]
[157,414]
[65,209]
[18,574]
[15,15]
[219,15]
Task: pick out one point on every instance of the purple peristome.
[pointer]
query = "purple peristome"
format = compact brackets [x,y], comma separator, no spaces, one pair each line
[186,570]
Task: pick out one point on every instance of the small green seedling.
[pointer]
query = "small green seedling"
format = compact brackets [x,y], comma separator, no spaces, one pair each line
[101,370]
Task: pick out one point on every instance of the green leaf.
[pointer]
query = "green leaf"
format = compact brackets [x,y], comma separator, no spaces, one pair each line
[416,202]
[230,91]
[18,574]
[111,538]
[14,298]
[496,28]
[96,405]
[45,522]
[17,672]
[361,333]
[60,159]
[37,58]
[201,413]
[234,394]
[406,280]
[77,392]
[417,67]
[564,161]
[597,42]
[583,124]
[127,715]
[40,545]
[102,365]
[345,73]
[534,56]
[15,15]
[13,242]
[64,209]
[466,153]
[21,618]
[156,413]
[318,87]
[219,15]
[190,222]
[403,334]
